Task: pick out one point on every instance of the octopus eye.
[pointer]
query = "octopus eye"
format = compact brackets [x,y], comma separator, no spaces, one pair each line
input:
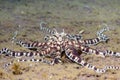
[46,38]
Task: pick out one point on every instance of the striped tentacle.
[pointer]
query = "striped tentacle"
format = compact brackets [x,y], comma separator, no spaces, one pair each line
[27,44]
[84,48]
[89,50]
[27,60]
[32,45]
[44,28]
[102,30]
[54,49]
[9,52]
[111,53]
[43,60]
[54,31]
[71,54]
[89,42]
[103,37]
[111,67]
[22,43]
